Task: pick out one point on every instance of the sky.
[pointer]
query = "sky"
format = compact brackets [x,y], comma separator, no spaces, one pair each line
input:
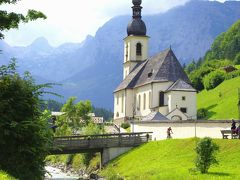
[73,20]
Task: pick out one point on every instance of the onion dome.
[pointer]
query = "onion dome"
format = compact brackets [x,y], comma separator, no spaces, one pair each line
[136,26]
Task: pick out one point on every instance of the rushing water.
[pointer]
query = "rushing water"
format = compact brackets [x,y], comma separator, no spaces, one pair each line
[56,174]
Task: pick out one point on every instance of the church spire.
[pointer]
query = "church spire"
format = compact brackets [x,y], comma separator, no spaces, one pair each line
[136,26]
[137,9]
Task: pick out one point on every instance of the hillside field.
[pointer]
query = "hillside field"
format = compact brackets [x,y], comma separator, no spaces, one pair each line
[222,101]
[172,159]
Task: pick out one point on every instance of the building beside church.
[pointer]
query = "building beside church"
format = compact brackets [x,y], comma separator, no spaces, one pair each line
[153,88]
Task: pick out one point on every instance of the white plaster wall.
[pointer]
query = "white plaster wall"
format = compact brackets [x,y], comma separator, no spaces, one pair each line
[120,106]
[131,42]
[141,91]
[129,102]
[163,110]
[182,130]
[177,112]
[157,87]
[175,99]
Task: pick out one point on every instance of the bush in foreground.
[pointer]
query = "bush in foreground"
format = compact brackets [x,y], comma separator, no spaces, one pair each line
[206,150]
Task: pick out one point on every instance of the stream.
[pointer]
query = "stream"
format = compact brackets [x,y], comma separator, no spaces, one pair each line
[57,174]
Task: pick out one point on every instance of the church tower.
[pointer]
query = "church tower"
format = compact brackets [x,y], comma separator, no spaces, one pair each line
[136,43]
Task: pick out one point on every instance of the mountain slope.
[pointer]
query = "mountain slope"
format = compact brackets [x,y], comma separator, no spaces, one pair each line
[222,101]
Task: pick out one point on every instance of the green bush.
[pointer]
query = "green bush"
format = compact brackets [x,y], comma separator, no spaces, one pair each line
[206,150]
[213,79]
[125,125]
[197,76]
[232,75]
[202,113]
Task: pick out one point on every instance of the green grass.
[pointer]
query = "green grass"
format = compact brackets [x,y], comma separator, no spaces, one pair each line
[222,101]
[5,176]
[172,159]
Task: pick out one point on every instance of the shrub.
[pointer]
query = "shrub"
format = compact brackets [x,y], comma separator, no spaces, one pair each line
[197,76]
[213,79]
[232,75]
[202,113]
[125,125]
[206,150]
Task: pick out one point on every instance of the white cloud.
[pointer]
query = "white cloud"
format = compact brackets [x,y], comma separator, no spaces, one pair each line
[73,20]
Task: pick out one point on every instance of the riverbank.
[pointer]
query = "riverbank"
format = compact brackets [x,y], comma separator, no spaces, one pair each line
[64,172]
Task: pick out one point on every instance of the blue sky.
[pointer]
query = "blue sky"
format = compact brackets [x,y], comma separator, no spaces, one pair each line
[73,20]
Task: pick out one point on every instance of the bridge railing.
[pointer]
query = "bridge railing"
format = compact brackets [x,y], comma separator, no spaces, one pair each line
[102,140]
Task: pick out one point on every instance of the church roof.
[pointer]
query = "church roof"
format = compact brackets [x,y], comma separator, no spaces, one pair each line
[181,85]
[160,68]
[155,116]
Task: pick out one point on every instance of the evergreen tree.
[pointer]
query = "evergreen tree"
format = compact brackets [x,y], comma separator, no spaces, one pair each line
[206,150]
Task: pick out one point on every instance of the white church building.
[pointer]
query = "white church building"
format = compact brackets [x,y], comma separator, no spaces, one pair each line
[153,88]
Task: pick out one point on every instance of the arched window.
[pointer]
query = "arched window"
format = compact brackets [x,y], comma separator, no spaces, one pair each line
[117,99]
[122,102]
[144,101]
[139,49]
[161,99]
[149,103]
[126,52]
[117,114]
[139,102]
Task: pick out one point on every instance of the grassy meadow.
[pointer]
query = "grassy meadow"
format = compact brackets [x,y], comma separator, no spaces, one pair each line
[222,101]
[173,159]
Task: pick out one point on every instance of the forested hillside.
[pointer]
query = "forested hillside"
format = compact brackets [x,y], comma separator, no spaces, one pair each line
[217,77]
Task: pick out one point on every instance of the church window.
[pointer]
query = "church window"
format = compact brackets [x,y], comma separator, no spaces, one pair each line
[117,99]
[139,49]
[144,101]
[183,98]
[139,102]
[161,99]
[184,110]
[117,114]
[149,103]
[122,102]
[126,52]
